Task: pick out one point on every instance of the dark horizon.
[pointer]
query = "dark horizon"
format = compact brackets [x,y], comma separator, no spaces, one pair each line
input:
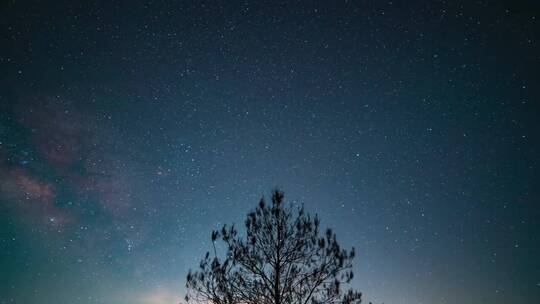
[128,131]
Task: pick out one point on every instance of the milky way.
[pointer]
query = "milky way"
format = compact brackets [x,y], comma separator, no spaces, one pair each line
[129,131]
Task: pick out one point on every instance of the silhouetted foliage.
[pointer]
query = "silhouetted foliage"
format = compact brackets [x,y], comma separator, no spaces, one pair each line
[282,259]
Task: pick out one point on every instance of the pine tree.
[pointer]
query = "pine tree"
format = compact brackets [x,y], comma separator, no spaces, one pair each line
[282,259]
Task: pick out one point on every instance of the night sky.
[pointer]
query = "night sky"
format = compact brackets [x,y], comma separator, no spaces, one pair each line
[128,131]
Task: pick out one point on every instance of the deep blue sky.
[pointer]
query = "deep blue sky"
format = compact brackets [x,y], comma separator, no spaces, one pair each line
[128,131]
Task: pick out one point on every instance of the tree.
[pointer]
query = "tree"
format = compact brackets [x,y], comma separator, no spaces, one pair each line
[282,259]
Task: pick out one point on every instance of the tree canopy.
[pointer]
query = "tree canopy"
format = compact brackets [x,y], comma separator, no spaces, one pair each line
[283,258]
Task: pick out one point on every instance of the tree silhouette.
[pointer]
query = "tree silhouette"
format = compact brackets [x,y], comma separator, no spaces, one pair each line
[282,259]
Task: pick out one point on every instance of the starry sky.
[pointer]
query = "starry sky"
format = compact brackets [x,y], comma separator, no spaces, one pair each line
[130,129]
